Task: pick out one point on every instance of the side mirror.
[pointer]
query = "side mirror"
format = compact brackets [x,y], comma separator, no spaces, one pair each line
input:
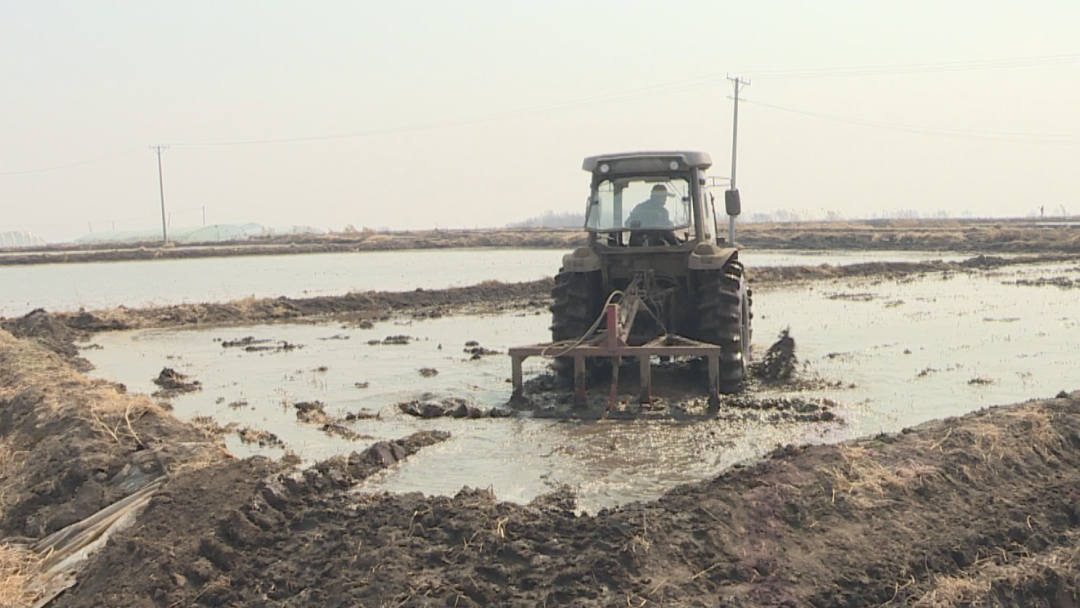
[732,203]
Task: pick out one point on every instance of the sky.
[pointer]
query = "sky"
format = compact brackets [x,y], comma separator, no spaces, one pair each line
[466,114]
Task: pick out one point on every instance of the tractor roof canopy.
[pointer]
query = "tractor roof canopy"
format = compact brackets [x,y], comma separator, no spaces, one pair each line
[646,162]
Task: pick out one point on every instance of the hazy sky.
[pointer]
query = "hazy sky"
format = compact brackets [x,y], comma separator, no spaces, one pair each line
[470,114]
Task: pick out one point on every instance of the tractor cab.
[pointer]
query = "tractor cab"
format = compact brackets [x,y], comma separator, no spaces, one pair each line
[650,199]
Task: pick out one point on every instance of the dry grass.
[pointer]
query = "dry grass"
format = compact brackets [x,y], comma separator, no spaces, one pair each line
[18,570]
[990,576]
[24,364]
[1039,425]
[374,239]
[862,477]
[203,457]
[1016,430]
[11,460]
[951,591]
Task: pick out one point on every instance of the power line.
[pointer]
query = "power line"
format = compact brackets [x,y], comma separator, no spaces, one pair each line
[697,83]
[670,88]
[102,220]
[916,68]
[74,164]
[1004,137]
[647,92]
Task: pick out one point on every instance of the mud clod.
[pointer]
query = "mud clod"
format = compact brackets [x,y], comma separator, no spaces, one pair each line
[562,499]
[473,348]
[795,409]
[174,383]
[428,372]
[314,412]
[779,363]
[339,430]
[260,437]
[279,347]
[453,407]
[400,340]
[311,412]
[244,342]
[336,337]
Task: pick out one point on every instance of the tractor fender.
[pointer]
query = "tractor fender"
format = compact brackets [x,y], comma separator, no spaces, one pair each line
[581,259]
[708,256]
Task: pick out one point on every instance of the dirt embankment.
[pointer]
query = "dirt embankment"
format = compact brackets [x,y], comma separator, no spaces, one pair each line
[335,243]
[770,275]
[70,445]
[978,510]
[980,236]
[58,329]
[489,297]
[985,236]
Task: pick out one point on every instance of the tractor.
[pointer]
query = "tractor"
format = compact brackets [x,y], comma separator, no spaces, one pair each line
[654,260]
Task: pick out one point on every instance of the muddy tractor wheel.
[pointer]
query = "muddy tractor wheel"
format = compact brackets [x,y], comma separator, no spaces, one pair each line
[576,302]
[723,318]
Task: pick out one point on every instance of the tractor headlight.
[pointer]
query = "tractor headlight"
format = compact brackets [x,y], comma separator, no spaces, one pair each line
[604,168]
[674,165]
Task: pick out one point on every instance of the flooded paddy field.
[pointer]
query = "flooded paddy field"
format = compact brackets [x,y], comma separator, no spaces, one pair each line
[876,478]
[136,284]
[882,354]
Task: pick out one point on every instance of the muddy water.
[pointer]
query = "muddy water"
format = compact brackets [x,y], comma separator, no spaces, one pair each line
[916,349]
[67,287]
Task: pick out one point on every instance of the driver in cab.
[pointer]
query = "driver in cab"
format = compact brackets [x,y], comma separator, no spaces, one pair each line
[653,216]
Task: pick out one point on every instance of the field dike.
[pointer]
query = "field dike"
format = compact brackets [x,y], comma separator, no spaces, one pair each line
[488,297]
[973,235]
[978,510]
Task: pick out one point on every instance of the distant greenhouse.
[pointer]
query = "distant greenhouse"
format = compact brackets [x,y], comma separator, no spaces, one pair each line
[20,238]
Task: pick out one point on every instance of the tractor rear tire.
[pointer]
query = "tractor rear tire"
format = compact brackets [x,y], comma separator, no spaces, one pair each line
[723,318]
[576,303]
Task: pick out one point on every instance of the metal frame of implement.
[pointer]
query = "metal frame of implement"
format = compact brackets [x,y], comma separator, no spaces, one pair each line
[613,345]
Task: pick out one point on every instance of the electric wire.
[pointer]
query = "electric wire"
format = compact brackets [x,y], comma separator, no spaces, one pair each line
[916,68]
[995,136]
[647,92]
[130,152]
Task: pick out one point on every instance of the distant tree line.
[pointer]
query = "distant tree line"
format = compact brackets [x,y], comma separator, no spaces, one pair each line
[569,219]
[552,219]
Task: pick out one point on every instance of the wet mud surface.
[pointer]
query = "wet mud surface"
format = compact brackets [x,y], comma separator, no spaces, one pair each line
[980,509]
[976,510]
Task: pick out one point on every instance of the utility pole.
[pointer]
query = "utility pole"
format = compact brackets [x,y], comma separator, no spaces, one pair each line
[738,83]
[161,186]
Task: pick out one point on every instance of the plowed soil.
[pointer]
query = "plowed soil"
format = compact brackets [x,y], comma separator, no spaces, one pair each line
[978,510]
